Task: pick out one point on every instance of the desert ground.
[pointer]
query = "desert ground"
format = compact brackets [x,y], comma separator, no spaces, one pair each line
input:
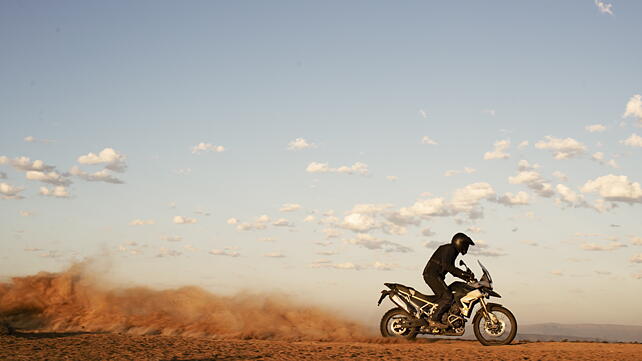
[105,346]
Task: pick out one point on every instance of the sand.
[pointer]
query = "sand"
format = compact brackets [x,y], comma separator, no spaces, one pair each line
[104,346]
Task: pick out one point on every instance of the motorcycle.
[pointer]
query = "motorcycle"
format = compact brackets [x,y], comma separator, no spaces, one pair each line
[493,324]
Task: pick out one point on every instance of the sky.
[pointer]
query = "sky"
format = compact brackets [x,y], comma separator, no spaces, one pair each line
[320,149]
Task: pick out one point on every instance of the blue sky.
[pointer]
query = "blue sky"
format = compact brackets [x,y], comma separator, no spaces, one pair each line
[362,83]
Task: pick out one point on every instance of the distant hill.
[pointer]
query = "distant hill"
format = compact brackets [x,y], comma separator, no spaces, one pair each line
[580,332]
[572,332]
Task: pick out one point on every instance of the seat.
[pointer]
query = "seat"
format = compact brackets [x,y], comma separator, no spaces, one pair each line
[414,292]
[428,298]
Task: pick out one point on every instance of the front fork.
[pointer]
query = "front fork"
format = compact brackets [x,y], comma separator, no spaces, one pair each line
[487,314]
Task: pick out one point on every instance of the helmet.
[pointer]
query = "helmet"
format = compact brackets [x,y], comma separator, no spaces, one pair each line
[461,242]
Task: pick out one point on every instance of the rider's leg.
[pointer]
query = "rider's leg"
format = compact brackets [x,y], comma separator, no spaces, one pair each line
[440,289]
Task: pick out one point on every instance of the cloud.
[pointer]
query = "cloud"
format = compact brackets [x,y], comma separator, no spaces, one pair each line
[557,273]
[359,222]
[32,139]
[8,191]
[258,224]
[111,158]
[636,258]
[561,148]
[534,181]
[48,177]
[356,168]
[290,207]
[510,199]
[599,157]
[633,141]
[426,140]
[299,144]
[184,220]
[561,176]
[172,238]
[523,144]
[636,240]
[595,128]
[481,248]
[25,213]
[452,172]
[141,222]
[392,178]
[614,188]
[423,113]
[490,112]
[309,218]
[427,232]
[613,245]
[282,222]
[568,197]
[229,252]
[57,192]
[3,175]
[274,255]
[207,147]
[634,108]
[370,242]
[331,233]
[323,263]
[604,8]
[165,252]
[25,164]
[499,150]
[529,243]
[467,198]
[100,176]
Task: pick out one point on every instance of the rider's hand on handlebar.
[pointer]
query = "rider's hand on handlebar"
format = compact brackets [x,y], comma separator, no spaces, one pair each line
[470,275]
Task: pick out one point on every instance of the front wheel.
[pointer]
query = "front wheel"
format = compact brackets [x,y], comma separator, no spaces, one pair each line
[498,330]
[392,324]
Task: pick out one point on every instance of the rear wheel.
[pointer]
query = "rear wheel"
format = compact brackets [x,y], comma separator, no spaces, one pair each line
[498,330]
[392,324]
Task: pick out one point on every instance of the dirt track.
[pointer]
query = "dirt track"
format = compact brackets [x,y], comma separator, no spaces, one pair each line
[69,346]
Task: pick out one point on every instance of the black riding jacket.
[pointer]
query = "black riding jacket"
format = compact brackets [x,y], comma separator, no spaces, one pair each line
[443,261]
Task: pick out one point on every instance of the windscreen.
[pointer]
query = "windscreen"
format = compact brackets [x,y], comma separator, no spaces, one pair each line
[486,275]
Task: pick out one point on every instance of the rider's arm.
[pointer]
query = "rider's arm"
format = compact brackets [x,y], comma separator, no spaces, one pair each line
[448,262]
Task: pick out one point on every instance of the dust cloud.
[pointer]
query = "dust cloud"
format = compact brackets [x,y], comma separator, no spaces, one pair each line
[77,300]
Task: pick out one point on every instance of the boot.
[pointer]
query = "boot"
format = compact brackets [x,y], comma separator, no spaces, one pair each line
[437,324]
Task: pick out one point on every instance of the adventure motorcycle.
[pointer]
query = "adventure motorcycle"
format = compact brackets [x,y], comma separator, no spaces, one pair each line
[493,324]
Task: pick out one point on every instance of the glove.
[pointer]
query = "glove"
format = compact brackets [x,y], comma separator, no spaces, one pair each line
[470,275]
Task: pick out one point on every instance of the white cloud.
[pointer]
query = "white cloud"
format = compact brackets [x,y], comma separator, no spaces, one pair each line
[634,108]
[258,224]
[633,141]
[290,207]
[323,263]
[426,140]
[636,240]
[370,208]
[523,144]
[604,8]
[25,213]
[356,168]
[224,252]
[599,157]
[8,191]
[99,176]
[383,266]
[207,147]
[595,128]
[524,165]
[58,192]
[274,255]
[510,199]
[165,252]
[452,172]
[392,178]
[48,177]
[184,220]
[309,219]
[466,199]
[141,222]
[615,188]
[172,238]
[636,258]
[25,164]
[562,148]
[300,143]
[557,273]
[499,150]
[534,181]
[568,197]
[331,233]
[359,222]
[427,232]
[474,229]
[32,139]
[490,112]
[423,113]
[561,176]
[232,221]
[111,158]
[613,245]
[282,222]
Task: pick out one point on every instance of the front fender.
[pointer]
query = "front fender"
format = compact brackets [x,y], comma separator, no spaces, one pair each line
[492,304]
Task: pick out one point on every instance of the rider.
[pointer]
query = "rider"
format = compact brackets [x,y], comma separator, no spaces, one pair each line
[442,262]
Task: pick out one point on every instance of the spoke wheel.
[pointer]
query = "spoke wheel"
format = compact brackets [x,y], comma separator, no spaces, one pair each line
[500,330]
[392,324]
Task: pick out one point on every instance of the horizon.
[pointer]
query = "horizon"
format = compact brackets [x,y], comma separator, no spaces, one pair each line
[321,150]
